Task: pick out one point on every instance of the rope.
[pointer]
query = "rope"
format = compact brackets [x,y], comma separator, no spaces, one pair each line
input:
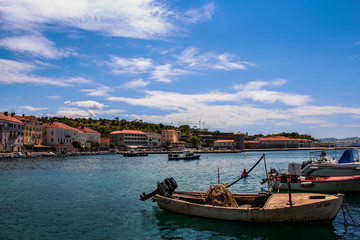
[247,172]
[347,209]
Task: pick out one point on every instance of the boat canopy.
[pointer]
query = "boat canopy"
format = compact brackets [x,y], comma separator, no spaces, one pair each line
[347,157]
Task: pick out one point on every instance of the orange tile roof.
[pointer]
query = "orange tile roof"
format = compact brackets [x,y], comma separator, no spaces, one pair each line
[277,138]
[85,129]
[218,141]
[128,131]
[251,141]
[59,125]
[239,133]
[9,118]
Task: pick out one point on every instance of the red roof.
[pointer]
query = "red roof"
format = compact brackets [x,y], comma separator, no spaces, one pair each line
[9,118]
[277,138]
[85,129]
[59,125]
[219,141]
[128,131]
[239,133]
[251,141]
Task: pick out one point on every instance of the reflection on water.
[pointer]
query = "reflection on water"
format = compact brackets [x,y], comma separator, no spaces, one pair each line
[172,224]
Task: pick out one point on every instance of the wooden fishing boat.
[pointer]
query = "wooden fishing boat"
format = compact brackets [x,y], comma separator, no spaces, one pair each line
[260,207]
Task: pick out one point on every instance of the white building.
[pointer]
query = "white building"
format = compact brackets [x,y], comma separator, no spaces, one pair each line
[128,138]
[90,135]
[60,136]
[153,139]
[221,144]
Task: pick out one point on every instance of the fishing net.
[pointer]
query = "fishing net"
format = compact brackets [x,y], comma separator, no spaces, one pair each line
[219,195]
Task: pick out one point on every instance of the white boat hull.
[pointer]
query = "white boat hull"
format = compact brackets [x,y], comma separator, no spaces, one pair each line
[327,170]
[276,209]
[321,186]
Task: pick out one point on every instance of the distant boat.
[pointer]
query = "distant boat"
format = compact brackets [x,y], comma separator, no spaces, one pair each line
[133,153]
[324,164]
[187,155]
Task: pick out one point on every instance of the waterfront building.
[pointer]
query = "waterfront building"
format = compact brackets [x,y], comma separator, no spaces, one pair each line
[239,139]
[153,139]
[60,136]
[11,133]
[81,138]
[105,142]
[248,144]
[224,144]
[33,132]
[128,138]
[278,142]
[90,135]
[170,136]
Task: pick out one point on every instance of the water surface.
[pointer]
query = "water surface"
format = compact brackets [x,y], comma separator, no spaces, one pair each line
[97,197]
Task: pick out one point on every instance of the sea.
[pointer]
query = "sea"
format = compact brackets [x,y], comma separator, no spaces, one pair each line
[97,197]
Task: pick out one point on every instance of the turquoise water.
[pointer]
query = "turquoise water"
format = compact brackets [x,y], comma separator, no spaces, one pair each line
[97,197]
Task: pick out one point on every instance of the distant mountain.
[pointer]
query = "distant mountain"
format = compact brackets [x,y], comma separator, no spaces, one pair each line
[339,139]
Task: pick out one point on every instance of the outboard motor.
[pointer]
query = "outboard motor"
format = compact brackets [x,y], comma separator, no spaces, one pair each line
[165,188]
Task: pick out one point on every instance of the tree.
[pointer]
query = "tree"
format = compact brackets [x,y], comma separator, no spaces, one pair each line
[194,140]
[76,144]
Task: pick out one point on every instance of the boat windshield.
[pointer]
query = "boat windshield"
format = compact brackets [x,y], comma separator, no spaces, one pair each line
[335,154]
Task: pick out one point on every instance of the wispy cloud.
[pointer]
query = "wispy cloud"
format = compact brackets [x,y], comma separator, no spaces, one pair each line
[138,83]
[84,113]
[196,15]
[20,72]
[165,73]
[32,109]
[35,45]
[254,90]
[130,65]
[191,57]
[54,97]
[87,104]
[144,19]
[100,91]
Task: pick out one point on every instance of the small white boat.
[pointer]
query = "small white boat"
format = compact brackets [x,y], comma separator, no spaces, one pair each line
[261,207]
[325,164]
[187,155]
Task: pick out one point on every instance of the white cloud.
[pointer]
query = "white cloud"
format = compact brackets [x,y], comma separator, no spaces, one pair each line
[165,73]
[21,72]
[74,113]
[87,104]
[54,97]
[101,91]
[32,109]
[80,113]
[130,65]
[144,19]
[253,90]
[191,57]
[196,15]
[35,45]
[138,83]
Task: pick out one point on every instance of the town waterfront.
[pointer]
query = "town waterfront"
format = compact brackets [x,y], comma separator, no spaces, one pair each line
[97,197]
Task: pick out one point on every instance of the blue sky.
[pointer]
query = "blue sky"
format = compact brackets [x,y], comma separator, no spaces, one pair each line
[251,66]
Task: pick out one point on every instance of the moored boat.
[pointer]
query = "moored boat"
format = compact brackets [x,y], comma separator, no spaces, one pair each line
[325,163]
[261,207]
[336,184]
[133,153]
[187,155]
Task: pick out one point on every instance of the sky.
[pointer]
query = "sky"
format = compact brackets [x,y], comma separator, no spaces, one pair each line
[259,66]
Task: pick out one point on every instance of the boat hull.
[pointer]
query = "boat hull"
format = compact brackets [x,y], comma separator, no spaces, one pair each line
[276,209]
[184,157]
[352,184]
[327,170]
